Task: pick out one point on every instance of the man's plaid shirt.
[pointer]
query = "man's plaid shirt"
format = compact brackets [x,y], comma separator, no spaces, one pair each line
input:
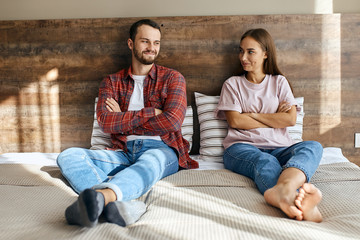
[164,89]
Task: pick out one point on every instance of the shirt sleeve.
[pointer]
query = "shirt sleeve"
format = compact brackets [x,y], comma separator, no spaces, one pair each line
[173,110]
[118,122]
[285,93]
[229,100]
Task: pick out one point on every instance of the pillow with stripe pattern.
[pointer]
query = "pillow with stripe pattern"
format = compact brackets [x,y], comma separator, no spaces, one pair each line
[296,131]
[101,140]
[187,127]
[213,130]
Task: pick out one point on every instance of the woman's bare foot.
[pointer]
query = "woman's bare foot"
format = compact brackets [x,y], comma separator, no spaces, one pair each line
[307,200]
[283,196]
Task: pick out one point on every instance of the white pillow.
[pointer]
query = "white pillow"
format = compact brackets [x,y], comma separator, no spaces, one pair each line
[101,140]
[187,127]
[296,131]
[213,131]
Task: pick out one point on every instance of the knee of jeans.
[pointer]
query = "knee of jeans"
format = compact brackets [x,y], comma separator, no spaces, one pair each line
[316,147]
[65,155]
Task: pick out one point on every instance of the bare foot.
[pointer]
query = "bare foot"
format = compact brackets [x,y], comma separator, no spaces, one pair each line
[307,200]
[283,196]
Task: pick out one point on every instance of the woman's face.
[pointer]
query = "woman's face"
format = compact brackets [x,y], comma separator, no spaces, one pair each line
[251,55]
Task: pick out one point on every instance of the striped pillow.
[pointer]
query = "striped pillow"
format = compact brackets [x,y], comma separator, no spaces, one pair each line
[296,131]
[213,131]
[101,140]
[187,127]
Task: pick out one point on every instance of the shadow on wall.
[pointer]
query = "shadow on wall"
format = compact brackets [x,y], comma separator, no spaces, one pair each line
[50,71]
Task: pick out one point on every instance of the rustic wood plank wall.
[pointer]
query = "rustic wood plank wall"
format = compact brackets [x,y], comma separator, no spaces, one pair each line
[50,71]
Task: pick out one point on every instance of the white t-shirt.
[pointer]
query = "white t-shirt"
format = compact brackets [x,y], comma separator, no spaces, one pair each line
[137,103]
[238,94]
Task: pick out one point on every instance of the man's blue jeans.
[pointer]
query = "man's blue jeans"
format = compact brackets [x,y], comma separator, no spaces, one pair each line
[129,174]
[264,166]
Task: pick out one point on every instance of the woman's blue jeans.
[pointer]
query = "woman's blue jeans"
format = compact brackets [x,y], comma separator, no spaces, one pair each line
[129,174]
[264,166]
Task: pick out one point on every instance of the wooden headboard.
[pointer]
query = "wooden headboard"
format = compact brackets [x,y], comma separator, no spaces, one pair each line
[50,71]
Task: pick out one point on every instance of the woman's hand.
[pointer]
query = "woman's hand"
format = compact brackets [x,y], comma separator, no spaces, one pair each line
[283,107]
[112,105]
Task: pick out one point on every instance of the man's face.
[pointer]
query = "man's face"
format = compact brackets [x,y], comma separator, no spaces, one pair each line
[146,47]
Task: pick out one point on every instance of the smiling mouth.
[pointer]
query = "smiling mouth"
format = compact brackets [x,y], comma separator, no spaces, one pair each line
[149,53]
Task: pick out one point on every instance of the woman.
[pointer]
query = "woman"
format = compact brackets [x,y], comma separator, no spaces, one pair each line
[258,106]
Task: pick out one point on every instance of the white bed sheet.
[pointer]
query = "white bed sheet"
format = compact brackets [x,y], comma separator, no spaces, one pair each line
[330,155]
[36,158]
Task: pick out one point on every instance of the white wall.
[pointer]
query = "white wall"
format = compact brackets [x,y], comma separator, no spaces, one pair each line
[55,9]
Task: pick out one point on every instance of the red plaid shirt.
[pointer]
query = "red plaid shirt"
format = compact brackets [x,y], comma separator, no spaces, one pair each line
[164,89]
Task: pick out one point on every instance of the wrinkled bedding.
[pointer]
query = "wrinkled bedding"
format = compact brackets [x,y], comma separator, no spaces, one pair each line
[210,204]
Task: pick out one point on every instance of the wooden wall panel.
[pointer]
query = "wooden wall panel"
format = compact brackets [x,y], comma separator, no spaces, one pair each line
[40,111]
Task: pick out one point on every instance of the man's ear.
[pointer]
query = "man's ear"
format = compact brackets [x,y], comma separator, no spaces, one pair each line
[130,43]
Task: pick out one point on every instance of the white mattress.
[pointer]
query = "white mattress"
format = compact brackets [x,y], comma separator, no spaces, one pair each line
[330,155]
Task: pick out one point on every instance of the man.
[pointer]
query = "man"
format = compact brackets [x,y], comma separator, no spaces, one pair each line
[143,108]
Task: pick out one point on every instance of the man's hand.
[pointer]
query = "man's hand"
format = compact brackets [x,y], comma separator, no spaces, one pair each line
[158,111]
[112,105]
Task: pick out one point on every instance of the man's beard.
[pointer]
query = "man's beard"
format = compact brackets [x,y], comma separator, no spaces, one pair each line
[146,61]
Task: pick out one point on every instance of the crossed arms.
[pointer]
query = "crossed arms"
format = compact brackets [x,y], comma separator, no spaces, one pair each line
[284,117]
[159,118]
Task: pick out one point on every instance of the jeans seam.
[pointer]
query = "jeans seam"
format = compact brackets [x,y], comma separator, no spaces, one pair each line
[101,160]
[92,168]
[149,186]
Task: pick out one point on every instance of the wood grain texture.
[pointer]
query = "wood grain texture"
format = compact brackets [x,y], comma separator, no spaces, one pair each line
[319,54]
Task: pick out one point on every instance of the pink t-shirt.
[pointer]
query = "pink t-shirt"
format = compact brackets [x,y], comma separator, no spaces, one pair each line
[238,94]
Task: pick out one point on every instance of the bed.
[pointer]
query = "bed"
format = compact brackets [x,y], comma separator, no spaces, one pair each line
[49,77]
[209,203]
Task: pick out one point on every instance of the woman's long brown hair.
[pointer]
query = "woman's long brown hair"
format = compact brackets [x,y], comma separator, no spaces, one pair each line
[267,44]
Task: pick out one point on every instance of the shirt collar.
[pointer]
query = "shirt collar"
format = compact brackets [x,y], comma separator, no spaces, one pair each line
[152,74]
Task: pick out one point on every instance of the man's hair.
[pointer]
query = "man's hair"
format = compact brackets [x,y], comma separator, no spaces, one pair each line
[136,25]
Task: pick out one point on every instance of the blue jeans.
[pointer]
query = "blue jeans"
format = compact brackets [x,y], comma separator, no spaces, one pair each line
[129,174]
[264,166]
